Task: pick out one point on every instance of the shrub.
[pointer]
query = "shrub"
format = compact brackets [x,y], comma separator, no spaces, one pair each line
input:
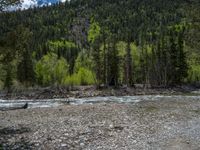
[83,60]
[83,77]
[51,70]
[194,73]
[72,80]
[60,71]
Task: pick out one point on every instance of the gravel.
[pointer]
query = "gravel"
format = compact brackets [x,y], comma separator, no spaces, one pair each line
[152,125]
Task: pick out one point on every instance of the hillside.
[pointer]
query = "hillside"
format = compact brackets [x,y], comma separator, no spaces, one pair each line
[107,42]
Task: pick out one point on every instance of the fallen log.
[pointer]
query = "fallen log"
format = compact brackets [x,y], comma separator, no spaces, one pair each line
[25,106]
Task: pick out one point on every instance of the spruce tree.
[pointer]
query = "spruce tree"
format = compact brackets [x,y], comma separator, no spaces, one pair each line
[182,59]
[25,72]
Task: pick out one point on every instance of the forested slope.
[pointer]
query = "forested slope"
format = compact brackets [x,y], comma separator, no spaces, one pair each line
[106,42]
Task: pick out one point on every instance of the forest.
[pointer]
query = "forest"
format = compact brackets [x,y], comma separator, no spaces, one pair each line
[102,43]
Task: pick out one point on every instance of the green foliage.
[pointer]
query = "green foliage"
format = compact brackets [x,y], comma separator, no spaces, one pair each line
[194,73]
[1,85]
[121,47]
[54,45]
[25,72]
[86,76]
[60,71]
[2,72]
[82,74]
[94,31]
[178,59]
[9,77]
[83,77]
[72,80]
[83,60]
[51,70]
[138,44]
[93,39]
[18,86]
[65,49]
[135,53]
[136,57]
[7,57]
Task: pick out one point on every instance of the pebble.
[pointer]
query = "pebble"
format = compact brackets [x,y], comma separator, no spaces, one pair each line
[82,144]
[134,141]
[63,145]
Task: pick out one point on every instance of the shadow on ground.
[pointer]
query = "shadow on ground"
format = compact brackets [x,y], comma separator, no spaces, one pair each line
[12,138]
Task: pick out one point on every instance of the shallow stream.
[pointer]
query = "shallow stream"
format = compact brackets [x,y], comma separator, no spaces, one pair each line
[9,104]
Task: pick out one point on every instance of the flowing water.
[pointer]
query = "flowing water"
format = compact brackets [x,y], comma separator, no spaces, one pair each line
[9,104]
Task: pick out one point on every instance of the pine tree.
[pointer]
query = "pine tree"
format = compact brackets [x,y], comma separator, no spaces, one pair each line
[173,76]
[25,73]
[9,77]
[128,72]
[113,64]
[94,40]
[182,59]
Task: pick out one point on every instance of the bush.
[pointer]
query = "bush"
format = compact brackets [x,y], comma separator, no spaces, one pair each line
[17,86]
[60,71]
[51,70]
[83,60]
[83,77]
[194,73]
[72,80]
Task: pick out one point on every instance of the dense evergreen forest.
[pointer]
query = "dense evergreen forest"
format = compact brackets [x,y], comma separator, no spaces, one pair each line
[105,42]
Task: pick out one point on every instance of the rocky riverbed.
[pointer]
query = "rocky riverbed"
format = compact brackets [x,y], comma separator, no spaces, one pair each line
[161,124]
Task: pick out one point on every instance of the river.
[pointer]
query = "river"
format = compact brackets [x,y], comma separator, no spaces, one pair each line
[44,103]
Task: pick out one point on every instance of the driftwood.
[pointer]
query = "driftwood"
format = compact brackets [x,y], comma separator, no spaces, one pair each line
[25,106]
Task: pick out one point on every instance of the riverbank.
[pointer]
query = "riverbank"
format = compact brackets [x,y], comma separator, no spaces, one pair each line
[164,124]
[91,91]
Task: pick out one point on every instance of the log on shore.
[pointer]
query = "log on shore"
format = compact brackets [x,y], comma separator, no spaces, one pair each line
[25,106]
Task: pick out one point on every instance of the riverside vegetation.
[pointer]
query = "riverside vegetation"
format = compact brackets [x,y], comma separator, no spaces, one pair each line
[107,42]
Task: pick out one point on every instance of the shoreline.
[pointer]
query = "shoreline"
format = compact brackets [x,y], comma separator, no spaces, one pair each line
[91,91]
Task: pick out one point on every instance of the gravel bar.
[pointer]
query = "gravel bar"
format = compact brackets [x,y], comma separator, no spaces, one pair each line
[151,125]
